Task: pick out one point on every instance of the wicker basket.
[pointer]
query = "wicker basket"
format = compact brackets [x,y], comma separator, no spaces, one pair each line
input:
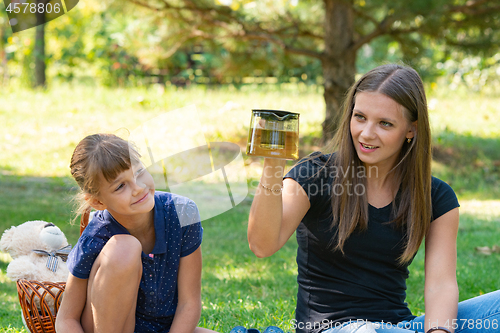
[40,302]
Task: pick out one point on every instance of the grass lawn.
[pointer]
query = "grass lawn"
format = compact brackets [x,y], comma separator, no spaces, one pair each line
[39,131]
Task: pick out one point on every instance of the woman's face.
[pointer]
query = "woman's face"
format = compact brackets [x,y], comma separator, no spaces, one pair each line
[379,129]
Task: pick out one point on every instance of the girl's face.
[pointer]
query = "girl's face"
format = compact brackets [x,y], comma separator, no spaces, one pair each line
[131,193]
[379,129]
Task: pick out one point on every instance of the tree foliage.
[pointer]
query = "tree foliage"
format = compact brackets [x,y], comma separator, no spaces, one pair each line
[334,31]
[223,41]
[298,27]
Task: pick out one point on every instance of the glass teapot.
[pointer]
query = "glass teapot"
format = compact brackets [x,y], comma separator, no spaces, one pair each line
[274,134]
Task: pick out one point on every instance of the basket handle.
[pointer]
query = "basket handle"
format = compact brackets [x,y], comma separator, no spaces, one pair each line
[84,220]
[39,317]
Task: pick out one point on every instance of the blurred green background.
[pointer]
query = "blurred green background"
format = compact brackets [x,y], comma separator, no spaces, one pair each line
[110,66]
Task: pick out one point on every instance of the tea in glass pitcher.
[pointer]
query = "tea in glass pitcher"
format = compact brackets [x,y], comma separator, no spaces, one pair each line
[274,134]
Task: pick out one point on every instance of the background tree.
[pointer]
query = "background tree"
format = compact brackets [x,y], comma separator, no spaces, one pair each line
[39,51]
[4,26]
[334,31]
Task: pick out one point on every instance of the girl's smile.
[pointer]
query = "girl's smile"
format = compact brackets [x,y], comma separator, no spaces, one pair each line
[130,194]
[142,199]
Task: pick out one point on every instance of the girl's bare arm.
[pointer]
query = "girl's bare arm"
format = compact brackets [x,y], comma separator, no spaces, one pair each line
[73,302]
[188,310]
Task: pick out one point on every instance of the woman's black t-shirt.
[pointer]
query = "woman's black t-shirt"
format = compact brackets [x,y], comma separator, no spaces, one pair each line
[364,283]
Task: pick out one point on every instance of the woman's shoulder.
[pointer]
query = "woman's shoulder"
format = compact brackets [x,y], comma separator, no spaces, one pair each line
[440,187]
[313,167]
[443,197]
[319,158]
[315,160]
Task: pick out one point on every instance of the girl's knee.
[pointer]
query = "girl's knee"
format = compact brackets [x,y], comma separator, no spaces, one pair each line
[122,253]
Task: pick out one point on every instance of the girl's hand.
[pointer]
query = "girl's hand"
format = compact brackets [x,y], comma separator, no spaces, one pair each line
[73,302]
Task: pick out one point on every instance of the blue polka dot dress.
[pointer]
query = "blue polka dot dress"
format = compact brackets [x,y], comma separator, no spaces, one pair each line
[178,233]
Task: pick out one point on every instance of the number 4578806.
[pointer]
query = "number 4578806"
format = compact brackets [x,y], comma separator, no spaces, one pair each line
[33,8]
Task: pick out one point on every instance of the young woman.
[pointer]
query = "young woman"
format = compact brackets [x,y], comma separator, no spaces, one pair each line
[360,215]
[137,265]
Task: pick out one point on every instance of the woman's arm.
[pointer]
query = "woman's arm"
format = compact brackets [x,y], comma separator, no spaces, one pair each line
[441,289]
[274,216]
[73,302]
[188,310]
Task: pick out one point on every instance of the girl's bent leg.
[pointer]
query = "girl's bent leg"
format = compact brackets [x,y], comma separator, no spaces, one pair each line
[113,286]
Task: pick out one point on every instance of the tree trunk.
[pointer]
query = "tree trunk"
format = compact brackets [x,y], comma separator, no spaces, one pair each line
[40,50]
[339,63]
[3,55]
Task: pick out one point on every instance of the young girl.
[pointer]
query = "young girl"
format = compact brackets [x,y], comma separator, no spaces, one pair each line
[360,215]
[137,265]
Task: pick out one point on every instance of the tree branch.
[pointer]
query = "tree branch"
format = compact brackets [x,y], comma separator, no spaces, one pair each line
[483,11]
[469,5]
[465,45]
[365,16]
[394,32]
[178,44]
[146,5]
[471,8]
[381,28]
[208,15]
[269,38]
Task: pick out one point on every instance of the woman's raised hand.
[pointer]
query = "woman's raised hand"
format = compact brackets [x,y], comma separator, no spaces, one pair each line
[277,209]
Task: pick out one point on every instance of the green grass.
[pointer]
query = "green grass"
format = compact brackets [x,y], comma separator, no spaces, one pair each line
[40,129]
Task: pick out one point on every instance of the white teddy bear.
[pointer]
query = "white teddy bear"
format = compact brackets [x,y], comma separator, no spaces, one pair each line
[39,250]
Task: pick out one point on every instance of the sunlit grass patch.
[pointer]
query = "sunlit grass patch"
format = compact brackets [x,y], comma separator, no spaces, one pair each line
[41,129]
[482,210]
[465,114]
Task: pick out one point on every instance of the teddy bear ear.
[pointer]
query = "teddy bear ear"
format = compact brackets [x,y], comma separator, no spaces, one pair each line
[6,239]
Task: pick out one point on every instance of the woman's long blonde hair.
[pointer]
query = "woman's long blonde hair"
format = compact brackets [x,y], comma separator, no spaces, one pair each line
[412,211]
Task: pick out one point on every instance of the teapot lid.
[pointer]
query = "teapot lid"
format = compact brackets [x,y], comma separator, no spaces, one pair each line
[279,113]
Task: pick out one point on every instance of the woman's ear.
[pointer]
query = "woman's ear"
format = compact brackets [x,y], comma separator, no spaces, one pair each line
[94,202]
[412,132]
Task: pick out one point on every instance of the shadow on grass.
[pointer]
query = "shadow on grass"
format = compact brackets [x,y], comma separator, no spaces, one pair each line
[4,262]
[10,311]
[37,198]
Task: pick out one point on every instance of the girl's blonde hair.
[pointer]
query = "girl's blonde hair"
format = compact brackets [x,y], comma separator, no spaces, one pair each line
[96,156]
